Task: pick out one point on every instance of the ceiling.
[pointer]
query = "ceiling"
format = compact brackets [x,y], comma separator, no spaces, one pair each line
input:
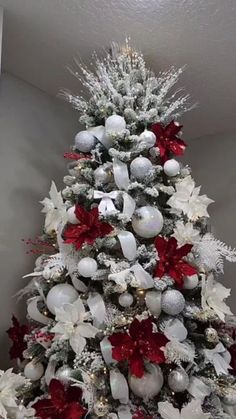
[41,37]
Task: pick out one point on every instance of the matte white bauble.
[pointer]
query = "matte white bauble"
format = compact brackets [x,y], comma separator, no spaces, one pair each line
[190,282]
[84,141]
[148,137]
[71,217]
[102,176]
[172,302]
[126,299]
[153,302]
[34,370]
[178,380]
[171,167]
[139,167]
[61,294]
[149,385]
[147,222]
[115,124]
[87,267]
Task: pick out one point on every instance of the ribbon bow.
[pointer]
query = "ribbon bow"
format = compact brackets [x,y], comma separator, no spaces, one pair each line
[219,357]
[106,206]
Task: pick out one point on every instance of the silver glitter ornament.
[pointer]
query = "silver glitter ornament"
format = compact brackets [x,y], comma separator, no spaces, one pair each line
[178,380]
[126,299]
[140,167]
[101,408]
[211,335]
[147,222]
[148,137]
[172,302]
[103,175]
[84,141]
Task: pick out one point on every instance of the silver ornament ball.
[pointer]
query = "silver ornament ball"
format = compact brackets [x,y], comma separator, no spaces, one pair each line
[139,167]
[126,299]
[115,124]
[149,385]
[34,370]
[171,167]
[102,175]
[101,408]
[148,137]
[211,335]
[87,267]
[71,217]
[61,294]
[178,380]
[84,141]
[147,222]
[172,302]
[190,282]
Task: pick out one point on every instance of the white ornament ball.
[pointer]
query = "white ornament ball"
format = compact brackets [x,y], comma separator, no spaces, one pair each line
[178,380]
[171,167]
[102,176]
[139,167]
[64,374]
[126,299]
[87,267]
[61,294]
[172,302]
[115,124]
[71,217]
[230,398]
[84,141]
[153,302]
[147,222]
[148,137]
[149,385]
[34,370]
[191,282]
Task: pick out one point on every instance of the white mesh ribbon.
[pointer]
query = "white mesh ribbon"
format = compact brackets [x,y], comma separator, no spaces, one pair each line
[34,313]
[97,308]
[124,412]
[119,386]
[198,389]
[128,244]
[142,278]
[121,174]
[50,370]
[219,357]
[106,349]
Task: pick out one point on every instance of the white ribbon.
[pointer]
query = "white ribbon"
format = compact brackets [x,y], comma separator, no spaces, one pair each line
[77,283]
[129,205]
[124,412]
[128,244]
[175,330]
[142,278]
[50,370]
[198,389]
[106,349]
[121,174]
[97,308]
[106,206]
[219,357]
[34,313]
[119,386]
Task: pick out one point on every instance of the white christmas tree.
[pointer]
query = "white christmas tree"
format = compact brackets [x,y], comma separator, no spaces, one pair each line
[127,319]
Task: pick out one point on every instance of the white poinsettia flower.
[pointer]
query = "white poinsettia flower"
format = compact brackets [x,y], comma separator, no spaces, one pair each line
[213,296]
[10,383]
[54,208]
[185,233]
[72,325]
[187,199]
[192,410]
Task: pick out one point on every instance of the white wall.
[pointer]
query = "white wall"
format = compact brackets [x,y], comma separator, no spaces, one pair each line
[35,130]
[213,165]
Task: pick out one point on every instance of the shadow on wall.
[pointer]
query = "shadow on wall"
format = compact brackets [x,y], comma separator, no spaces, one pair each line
[35,132]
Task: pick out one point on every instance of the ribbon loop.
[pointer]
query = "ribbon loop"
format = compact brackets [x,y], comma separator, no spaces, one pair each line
[119,386]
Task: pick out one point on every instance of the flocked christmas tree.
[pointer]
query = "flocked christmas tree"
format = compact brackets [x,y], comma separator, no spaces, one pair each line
[126,316]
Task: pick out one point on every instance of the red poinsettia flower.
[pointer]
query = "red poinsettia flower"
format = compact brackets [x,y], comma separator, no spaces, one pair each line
[88,229]
[64,403]
[140,414]
[17,334]
[139,344]
[167,140]
[76,156]
[171,259]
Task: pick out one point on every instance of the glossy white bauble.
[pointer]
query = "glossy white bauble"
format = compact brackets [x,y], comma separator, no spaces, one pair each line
[87,267]
[153,302]
[71,217]
[102,176]
[149,385]
[34,370]
[115,124]
[84,141]
[61,294]
[148,137]
[126,299]
[191,282]
[139,167]
[172,302]
[171,167]
[147,222]
[178,380]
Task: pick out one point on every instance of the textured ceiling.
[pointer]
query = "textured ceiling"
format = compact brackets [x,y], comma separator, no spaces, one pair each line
[41,37]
